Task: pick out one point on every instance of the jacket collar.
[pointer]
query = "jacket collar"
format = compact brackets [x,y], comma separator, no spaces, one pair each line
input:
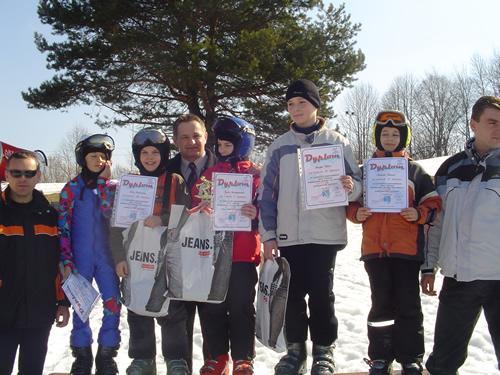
[394,154]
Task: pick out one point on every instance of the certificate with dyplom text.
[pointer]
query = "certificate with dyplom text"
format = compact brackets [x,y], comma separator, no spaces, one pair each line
[320,169]
[134,200]
[385,184]
[230,192]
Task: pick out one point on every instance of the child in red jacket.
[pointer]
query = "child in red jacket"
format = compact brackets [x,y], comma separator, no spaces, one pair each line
[392,249]
[232,322]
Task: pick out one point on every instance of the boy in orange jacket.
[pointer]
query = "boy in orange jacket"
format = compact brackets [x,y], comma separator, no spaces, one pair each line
[392,249]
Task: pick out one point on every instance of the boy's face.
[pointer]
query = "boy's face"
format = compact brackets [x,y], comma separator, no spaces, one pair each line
[302,112]
[389,138]
[95,161]
[150,158]
[487,130]
[225,147]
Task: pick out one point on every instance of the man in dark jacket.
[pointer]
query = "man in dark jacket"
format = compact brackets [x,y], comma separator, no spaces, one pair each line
[30,294]
[190,137]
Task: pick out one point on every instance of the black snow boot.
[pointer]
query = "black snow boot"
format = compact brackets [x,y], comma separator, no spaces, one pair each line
[177,367]
[413,368]
[84,360]
[294,362]
[323,363]
[104,362]
[379,366]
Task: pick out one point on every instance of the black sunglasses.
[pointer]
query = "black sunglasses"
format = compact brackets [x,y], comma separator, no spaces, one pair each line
[17,173]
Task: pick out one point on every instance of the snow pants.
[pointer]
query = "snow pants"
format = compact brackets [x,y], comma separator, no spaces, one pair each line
[32,343]
[460,305]
[311,268]
[232,322]
[395,320]
[103,271]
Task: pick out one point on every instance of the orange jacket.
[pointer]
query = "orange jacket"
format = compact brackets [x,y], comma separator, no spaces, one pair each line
[389,234]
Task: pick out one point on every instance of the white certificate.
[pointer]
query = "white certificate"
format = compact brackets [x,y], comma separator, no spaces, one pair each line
[81,294]
[230,192]
[386,184]
[134,200]
[321,168]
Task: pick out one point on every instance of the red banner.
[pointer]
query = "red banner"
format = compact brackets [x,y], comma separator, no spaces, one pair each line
[5,151]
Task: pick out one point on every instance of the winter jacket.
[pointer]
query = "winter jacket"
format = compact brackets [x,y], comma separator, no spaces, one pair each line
[246,245]
[176,193]
[282,214]
[464,240]
[389,234]
[29,258]
[90,220]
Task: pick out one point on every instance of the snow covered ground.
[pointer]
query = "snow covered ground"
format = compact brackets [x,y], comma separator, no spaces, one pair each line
[352,305]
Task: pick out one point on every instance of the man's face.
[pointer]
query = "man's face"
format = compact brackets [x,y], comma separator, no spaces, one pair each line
[487,130]
[191,139]
[22,187]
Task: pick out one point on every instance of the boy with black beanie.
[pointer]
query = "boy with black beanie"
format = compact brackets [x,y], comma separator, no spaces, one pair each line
[308,239]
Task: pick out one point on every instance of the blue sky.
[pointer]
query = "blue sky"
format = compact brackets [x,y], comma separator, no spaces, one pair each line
[397,37]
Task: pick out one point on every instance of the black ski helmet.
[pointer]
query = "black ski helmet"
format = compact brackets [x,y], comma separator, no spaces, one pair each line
[94,143]
[150,137]
[392,119]
[237,131]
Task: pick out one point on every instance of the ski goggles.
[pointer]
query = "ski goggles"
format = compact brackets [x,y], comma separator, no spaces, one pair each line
[100,141]
[152,136]
[229,125]
[396,118]
[18,173]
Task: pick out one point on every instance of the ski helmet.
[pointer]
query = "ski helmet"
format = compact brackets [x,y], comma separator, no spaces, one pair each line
[150,137]
[237,131]
[94,143]
[393,119]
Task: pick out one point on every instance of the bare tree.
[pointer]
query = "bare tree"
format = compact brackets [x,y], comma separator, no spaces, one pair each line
[480,75]
[464,86]
[402,96]
[361,106]
[494,74]
[439,113]
[62,165]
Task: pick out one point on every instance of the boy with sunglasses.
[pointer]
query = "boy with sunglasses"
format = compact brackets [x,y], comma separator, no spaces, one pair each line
[308,239]
[85,210]
[392,249]
[151,150]
[30,295]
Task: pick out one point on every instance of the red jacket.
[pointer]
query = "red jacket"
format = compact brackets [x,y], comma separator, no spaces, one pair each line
[246,245]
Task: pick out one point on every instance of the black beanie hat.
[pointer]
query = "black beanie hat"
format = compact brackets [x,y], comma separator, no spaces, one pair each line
[305,89]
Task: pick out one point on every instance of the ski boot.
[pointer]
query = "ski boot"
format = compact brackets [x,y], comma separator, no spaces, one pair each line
[177,367]
[412,368]
[243,367]
[379,366]
[218,366]
[294,362]
[83,362]
[142,367]
[104,362]
[323,363]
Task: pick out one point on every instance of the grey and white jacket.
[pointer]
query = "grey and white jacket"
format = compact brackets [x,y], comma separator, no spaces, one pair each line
[282,214]
[465,239]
